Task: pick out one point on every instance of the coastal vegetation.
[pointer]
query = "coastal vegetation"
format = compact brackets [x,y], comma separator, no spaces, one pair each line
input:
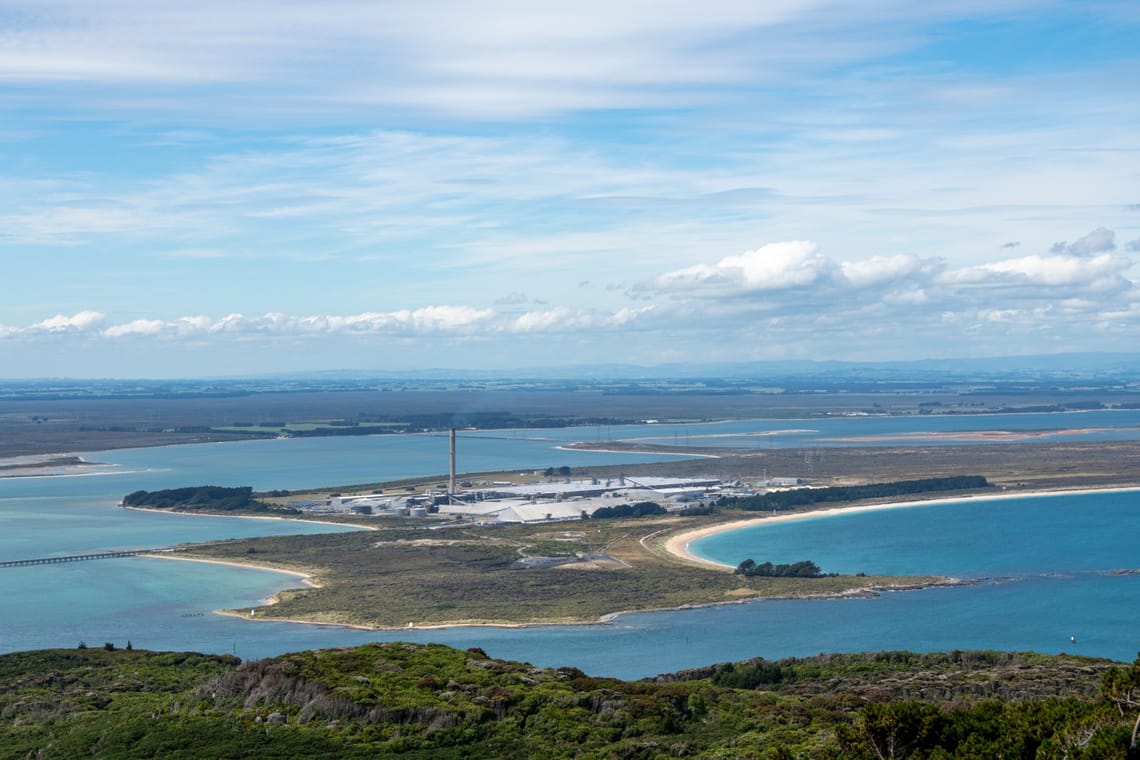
[394,576]
[803,497]
[749,568]
[204,499]
[432,701]
[637,509]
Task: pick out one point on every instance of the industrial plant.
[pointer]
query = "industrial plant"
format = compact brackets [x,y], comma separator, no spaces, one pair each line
[536,496]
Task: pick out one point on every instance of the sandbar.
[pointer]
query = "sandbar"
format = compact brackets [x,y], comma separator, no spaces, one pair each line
[679,544]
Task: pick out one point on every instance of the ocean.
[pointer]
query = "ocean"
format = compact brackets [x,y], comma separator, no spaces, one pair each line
[1047,569]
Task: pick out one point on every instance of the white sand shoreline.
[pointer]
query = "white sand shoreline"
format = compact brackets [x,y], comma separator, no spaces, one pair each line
[679,545]
[252,517]
[306,577]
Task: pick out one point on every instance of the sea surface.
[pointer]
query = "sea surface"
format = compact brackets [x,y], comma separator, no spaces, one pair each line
[1048,569]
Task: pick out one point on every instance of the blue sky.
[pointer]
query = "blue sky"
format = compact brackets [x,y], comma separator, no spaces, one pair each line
[226,189]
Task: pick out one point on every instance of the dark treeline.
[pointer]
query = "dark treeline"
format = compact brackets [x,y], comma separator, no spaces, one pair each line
[640,509]
[802,497]
[805,569]
[218,498]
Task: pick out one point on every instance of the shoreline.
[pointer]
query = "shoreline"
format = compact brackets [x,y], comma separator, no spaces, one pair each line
[679,545]
[308,577]
[250,517]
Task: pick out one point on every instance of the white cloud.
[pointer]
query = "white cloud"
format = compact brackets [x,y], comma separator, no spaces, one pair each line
[886,269]
[137,327]
[776,266]
[1057,270]
[425,321]
[566,320]
[79,322]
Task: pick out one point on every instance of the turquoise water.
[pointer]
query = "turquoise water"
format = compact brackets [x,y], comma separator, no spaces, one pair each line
[1044,566]
[844,431]
[973,538]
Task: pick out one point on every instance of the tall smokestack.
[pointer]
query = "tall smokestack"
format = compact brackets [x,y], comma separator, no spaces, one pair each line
[451,483]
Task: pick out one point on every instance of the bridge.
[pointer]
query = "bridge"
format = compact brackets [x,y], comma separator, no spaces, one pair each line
[82,557]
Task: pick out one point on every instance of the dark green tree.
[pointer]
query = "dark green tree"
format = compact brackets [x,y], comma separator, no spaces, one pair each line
[1121,686]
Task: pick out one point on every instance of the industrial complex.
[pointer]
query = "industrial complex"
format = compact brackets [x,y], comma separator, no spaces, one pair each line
[538,500]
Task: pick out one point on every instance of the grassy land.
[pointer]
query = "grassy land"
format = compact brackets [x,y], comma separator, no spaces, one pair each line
[393,577]
[431,701]
[390,578]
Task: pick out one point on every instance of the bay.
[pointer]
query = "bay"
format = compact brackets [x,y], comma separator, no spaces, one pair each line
[1044,566]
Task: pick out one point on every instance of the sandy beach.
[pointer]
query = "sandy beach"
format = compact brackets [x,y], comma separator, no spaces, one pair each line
[253,517]
[678,545]
[307,577]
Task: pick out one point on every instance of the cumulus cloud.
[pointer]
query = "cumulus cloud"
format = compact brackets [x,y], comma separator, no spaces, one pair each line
[428,320]
[82,321]
[137,327]
[1058,270]
[795,266]
[793,291]
[779,294]
[1097,241]
[773,267]
[563,319]
[879,270]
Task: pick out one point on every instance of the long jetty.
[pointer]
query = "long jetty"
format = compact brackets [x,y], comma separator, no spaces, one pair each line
[82,557]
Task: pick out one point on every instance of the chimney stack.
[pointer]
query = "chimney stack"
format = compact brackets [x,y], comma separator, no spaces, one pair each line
[451,483]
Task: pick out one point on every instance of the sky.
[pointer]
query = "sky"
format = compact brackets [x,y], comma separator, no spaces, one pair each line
[218,188]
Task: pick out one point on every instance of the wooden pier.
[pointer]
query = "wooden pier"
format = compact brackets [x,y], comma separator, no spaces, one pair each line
[80,557]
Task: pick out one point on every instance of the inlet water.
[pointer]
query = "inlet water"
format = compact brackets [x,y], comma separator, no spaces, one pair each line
[1048,568]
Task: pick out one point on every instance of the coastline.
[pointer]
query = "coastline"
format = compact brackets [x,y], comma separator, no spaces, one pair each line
[251,517]
[678,545]
[308,577]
